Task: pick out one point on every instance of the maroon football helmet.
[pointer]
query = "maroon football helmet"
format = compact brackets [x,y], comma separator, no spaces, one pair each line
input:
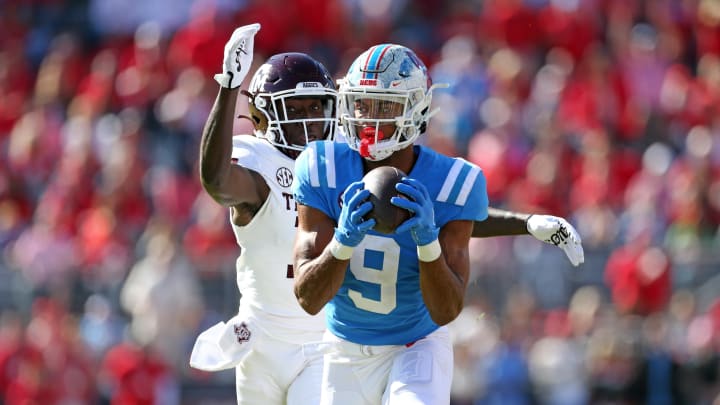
[274,90]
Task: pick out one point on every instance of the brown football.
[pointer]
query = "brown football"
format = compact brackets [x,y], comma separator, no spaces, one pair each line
[381,183]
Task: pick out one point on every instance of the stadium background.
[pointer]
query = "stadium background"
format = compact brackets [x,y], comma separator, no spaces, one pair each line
[605,112]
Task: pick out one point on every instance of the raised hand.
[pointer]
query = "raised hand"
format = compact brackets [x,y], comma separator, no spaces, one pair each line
[422,223]
[238,56]
[559,232]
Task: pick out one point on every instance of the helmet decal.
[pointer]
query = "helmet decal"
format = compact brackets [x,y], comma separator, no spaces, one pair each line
[372,63]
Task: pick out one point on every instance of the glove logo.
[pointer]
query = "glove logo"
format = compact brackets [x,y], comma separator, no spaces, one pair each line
[240,49]
[560,236]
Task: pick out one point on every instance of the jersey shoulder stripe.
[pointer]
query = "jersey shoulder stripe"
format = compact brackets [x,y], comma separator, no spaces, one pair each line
[467,185]
[312,167]
[321,164]
[459,182]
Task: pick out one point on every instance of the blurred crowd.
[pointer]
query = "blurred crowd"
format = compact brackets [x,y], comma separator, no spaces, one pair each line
[605,112]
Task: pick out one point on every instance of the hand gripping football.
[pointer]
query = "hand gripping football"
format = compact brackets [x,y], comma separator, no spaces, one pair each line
[381,184]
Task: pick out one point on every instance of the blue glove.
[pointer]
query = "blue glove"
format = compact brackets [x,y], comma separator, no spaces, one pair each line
[422,224]
[352,226]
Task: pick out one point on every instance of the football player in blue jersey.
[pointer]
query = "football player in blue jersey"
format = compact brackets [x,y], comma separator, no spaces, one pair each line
[387,297]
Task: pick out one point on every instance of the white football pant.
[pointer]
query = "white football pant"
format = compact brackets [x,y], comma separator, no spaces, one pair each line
[276,372]
[396,375]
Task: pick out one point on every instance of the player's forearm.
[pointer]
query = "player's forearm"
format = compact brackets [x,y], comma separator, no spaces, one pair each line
[501,223]
[442,289]
[443,281]
[216,142]
[318,279]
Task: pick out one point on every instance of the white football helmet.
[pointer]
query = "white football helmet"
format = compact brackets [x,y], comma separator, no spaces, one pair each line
[387,88]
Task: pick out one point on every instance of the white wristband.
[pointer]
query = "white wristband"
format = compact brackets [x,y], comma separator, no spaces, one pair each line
[340,251]
[429,252]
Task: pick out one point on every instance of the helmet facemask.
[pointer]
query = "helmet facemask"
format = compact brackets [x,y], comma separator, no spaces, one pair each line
[292,101]
[290,129]
[378,123]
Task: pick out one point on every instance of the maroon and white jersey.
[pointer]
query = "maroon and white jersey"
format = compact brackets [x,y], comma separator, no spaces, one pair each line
[264,268]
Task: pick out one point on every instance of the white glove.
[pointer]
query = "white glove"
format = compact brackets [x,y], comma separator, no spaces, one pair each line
[558,232]
[238,56]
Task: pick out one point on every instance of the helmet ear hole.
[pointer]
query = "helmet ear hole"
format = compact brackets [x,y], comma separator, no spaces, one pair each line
[423,127]
[260,121]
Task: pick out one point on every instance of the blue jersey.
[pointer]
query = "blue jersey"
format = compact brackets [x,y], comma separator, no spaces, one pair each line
[379,302]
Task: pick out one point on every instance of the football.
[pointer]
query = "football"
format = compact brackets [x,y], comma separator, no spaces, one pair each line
[381,184]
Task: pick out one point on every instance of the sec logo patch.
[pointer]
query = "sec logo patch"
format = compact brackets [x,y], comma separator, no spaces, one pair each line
[284,177]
